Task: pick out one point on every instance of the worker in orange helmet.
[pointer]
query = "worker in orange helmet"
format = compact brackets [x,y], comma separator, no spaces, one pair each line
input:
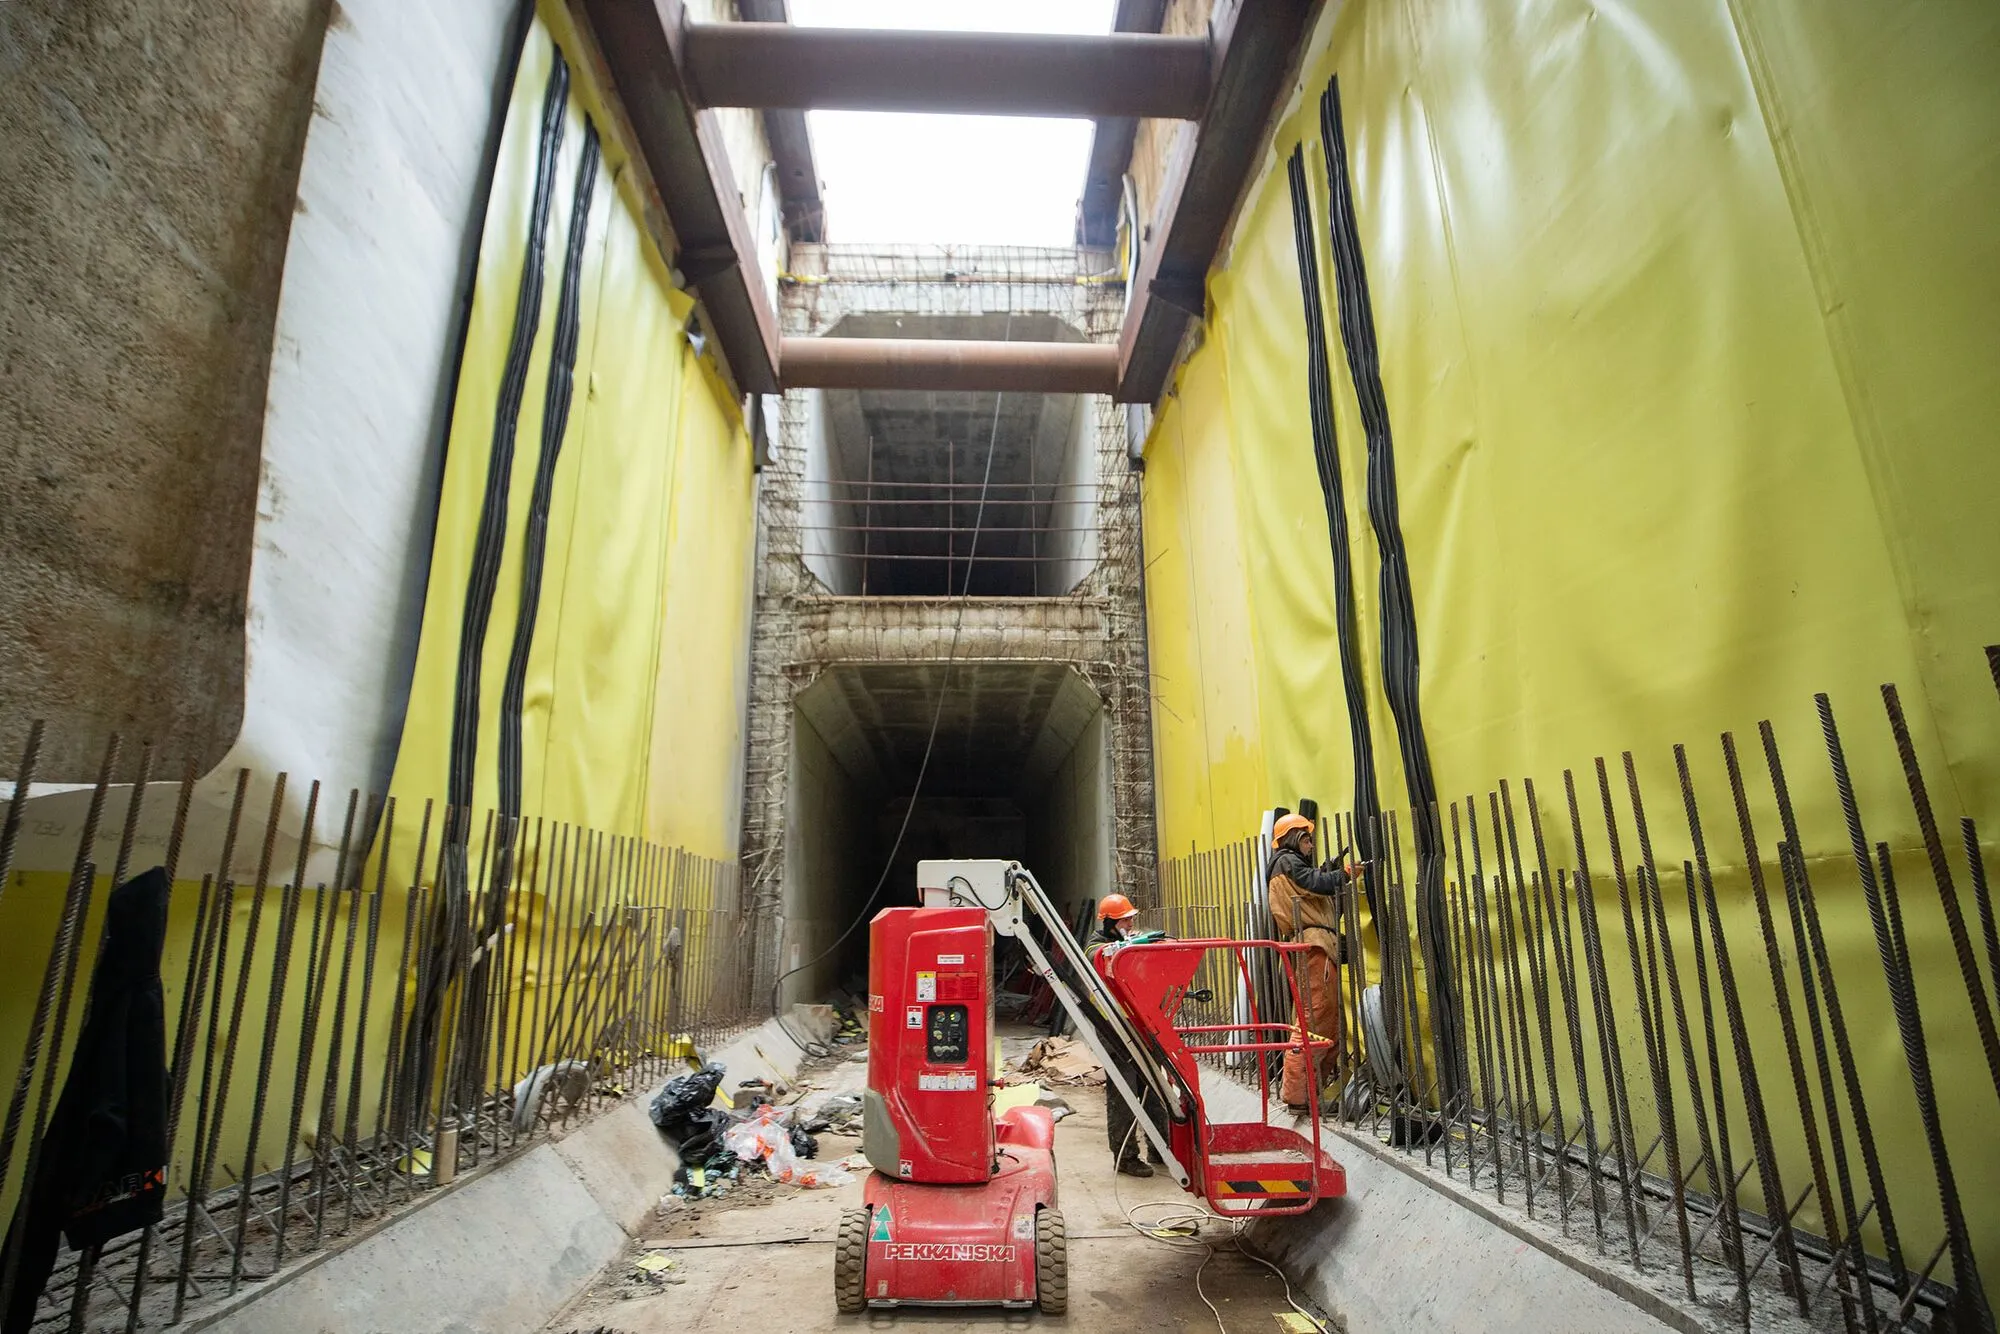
[1118,920]
[1307,903]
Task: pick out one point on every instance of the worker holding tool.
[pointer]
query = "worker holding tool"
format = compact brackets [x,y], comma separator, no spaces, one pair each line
[1306,905]
[1117,921]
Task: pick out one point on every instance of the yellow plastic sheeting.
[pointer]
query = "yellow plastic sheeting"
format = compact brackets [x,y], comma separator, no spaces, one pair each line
[1198,604]
[422,760]
[1683,317]
[694,785]
[597,651]
[629,612]
[645,579]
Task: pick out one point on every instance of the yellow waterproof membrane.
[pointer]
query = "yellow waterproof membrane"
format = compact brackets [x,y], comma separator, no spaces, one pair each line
[1685,316]
[632,706]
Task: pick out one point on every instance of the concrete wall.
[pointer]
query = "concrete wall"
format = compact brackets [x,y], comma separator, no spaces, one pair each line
[1070,834]
[826,554]
[1073,516]
[233,292]
[503,1249]
[830,861]
[148,158]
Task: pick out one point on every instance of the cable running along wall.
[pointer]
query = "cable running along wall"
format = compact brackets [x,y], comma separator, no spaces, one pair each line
[1399,616]
[1326,455]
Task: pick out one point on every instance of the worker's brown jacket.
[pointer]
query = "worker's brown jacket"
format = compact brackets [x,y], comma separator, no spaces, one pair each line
[1306,901]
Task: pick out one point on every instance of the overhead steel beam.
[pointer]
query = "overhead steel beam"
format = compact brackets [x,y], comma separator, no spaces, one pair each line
[682,148]
[1257,43]
[791,145]
[942,363]
[1021,74]
[1111,141]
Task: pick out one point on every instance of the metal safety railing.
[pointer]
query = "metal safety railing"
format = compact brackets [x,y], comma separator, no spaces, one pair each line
[1682,1081]
[343,1038]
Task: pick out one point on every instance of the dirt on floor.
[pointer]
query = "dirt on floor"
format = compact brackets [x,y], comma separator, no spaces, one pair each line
[761,1257]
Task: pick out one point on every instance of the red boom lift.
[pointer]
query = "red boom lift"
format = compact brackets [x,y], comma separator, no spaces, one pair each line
[961,1207]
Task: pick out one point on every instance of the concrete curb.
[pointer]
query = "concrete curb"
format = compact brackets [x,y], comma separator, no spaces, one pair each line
[505,1248]
[1403,1253]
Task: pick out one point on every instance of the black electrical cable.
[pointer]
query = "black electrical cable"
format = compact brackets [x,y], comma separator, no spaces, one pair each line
[930,741]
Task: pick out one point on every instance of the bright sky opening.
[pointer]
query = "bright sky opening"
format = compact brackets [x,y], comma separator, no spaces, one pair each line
[970,180]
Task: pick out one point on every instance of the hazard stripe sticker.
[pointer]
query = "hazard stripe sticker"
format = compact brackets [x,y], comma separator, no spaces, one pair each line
[1263,1187]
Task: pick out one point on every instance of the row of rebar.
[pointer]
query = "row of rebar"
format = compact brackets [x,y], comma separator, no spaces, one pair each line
[1632,1102]
[298,1106]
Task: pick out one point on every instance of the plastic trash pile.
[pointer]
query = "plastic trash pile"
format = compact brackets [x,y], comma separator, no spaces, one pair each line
[768,1136]
[718,1145]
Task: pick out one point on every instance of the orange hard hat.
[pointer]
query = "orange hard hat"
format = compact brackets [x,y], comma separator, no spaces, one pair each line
[1116,908]
[1289,824]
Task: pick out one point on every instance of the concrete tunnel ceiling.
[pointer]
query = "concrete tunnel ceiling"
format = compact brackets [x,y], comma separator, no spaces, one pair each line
[899,438]
[1004,730]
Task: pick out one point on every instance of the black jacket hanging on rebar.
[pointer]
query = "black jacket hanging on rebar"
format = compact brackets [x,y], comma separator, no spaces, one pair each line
[103,1159]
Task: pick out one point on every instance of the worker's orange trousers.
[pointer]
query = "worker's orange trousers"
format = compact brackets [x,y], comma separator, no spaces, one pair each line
[1319,977]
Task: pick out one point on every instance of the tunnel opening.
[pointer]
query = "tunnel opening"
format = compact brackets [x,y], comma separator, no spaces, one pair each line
[1017,769]
[898,499]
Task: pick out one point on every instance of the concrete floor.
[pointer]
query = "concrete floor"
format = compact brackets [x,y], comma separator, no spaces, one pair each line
[776,1273]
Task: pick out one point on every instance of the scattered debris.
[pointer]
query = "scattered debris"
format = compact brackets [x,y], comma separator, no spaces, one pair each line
[831,1114]
[765,1136]
[568,1081]
[1062,1061]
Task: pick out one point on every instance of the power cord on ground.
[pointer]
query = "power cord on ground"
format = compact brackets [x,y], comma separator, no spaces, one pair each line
[1182,1214]
[820,1049]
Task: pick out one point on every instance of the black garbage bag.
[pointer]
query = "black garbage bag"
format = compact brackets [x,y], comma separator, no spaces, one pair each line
[677,1108]
[804,1145]
[701,1134]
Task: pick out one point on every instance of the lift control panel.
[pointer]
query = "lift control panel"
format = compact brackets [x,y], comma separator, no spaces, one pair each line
[927,1114]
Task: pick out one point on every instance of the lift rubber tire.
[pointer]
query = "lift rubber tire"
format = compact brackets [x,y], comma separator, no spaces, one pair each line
[850,1262]
[1051,1262]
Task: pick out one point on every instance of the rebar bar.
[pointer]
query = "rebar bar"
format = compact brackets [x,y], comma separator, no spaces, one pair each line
[1746,1062]
[1916,1051]
[1533,925]
[1625,1150]
[1787,1025]
[1649,888]
[1961,943]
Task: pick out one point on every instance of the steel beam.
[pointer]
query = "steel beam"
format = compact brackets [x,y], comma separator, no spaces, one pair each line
[1020,74]
[940,363]
[641,45]
[1256,45]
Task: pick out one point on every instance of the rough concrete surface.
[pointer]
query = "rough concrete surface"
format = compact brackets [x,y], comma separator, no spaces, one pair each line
[148,161]
[1399,1255]
[497,1255]
[502,1250]
[740,1270]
